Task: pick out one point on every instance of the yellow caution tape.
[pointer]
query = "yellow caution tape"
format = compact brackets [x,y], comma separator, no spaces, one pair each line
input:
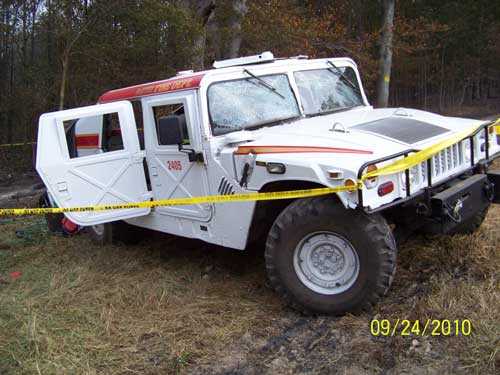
[17,144]
[246,197]
[496,124]
[396,167]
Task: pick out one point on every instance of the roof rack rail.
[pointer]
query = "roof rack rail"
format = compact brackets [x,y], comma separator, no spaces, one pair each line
[248,60]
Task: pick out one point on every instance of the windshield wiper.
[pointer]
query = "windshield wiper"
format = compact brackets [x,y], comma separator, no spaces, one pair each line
[272,122]
[329,112]
[263,83]
[340,74]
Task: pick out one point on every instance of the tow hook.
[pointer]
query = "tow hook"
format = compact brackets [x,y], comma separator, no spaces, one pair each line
[489,190]
[454,212]
[423,209]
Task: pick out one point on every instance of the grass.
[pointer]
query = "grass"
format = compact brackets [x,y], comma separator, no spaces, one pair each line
[78,308]
[174,306]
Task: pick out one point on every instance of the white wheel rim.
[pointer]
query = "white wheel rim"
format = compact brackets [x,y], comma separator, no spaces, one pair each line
[98,229]
[326,263]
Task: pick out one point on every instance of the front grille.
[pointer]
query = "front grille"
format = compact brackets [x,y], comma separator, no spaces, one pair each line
[448,161]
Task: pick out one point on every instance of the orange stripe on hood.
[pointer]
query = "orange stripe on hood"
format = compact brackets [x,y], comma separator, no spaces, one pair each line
[245,150]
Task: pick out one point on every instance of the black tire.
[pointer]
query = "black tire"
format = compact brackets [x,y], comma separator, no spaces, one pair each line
[116,232]
[369,236]
[471,225]
[54,221]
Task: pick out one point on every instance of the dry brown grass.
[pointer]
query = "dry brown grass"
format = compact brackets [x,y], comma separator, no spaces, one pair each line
[172,305]
[78,308]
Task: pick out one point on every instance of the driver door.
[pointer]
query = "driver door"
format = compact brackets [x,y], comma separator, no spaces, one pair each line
[113,175]
[172,174]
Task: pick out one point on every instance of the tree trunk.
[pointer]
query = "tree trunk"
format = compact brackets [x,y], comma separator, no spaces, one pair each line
[33,23]
[239,11]
[64,76]
[202,10]
[385,54]
[50,35]
[199,50]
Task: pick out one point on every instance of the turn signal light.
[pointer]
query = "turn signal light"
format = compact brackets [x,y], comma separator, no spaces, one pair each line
[370,183]
[371,168]
[385,188]
[350,183]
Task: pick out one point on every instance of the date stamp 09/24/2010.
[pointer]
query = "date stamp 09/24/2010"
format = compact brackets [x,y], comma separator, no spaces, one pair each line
[427,327]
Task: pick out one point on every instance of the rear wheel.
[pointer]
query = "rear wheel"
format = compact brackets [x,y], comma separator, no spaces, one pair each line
[322,258]
[120,231]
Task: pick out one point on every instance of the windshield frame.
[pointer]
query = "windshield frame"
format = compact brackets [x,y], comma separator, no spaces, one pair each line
[246,77]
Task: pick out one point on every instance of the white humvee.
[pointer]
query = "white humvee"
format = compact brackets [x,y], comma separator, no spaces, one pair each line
[260,124]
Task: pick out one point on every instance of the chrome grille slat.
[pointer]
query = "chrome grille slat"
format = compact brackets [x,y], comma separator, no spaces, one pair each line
[446,162]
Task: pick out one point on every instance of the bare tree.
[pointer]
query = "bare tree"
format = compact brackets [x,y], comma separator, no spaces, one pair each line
[202,11]
[75,25]
[239,11]
[385,62]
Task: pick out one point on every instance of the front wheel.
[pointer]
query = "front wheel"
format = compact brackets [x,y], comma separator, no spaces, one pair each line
[323,258]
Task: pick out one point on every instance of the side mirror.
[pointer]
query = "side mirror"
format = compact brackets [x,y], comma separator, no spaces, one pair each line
[170,130]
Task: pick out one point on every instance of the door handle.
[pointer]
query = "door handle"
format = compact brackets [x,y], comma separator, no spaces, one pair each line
[62,186]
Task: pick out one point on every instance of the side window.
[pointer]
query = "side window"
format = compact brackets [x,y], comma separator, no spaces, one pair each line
[172,114]
[111,133]
[93,135]
[137,106]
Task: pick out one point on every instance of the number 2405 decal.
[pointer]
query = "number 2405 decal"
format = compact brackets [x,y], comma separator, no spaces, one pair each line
[174,165]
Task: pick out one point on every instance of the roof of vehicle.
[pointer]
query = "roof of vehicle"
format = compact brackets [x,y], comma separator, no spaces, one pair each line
[191,80]
[184,82]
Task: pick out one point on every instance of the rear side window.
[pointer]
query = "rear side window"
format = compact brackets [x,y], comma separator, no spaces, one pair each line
[93,135]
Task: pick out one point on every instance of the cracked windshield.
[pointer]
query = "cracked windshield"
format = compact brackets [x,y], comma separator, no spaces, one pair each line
[250,102]
[328,90]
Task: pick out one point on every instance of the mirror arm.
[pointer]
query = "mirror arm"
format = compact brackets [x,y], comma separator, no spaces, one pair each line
[192,154]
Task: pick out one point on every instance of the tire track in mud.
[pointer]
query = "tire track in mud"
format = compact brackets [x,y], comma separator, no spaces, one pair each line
[303,345]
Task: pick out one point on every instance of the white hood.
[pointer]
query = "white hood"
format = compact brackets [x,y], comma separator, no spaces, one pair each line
[318,132]
[311,145]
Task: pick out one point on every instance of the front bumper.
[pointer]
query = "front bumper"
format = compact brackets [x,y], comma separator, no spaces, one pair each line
[459,203]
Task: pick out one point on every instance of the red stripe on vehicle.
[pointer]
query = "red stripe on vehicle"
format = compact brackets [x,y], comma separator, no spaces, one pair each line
[153,88]
[87,141]
[245,150]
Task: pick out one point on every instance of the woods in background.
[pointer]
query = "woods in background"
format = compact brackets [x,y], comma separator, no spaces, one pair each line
[64,53]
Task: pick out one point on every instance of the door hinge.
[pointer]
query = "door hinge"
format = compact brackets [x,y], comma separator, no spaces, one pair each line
[138,157]
[147,196]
